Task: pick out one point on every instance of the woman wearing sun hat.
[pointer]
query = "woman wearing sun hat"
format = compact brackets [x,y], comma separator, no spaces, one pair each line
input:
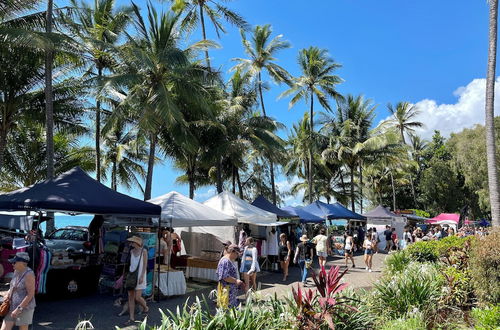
[138,261]
[303,255]
[21,294]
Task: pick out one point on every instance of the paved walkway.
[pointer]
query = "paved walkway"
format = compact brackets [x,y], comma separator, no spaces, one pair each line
[99,309]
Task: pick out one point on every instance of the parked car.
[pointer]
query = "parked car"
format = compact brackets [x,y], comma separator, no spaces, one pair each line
[73,239]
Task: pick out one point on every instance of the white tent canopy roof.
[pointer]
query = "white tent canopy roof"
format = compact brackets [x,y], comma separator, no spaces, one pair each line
[180,211]
[229,204]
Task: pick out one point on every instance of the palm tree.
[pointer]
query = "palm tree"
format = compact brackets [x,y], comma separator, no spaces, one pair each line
[159,78]
[490,114]
[125,154]
[261,50]
[318,80]
[49,103]
[403,118]
[25,155]
[97,29]
[404,115]
[194,12]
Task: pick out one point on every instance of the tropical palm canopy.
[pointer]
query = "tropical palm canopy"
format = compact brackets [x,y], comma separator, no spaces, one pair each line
[119,90]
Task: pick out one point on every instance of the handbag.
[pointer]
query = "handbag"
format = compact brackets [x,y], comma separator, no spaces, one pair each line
[5,306]
[222,296]
[132,277]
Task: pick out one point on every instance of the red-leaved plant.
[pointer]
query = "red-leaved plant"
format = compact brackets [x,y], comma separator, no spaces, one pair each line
[311,316]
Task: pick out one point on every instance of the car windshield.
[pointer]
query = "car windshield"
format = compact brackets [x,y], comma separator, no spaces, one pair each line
[69,234]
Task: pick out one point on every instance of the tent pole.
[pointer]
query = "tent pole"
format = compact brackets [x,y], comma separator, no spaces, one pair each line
[159,263]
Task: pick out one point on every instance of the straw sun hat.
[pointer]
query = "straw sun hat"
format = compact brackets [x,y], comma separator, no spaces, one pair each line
[135,239]
[304,238]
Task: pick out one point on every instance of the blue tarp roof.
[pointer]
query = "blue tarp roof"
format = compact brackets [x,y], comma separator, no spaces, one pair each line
[262,203]
[75,191]
[305,217]
[332,211]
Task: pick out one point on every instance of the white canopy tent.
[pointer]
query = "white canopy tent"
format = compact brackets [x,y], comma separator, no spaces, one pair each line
[200,226]
[229,204]
[178,210]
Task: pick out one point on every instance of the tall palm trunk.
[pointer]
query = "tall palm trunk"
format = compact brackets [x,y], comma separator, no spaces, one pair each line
[3,139]
[49,104]
[113,175]
[240,186]
[261,96]
[310,178]
[204,33]
[271,164]
[361,187]
[393,192]
[219,183]
[233,176]
[413,191]
[353,198]
[273,186]
[98,132]
[151,164]
[191,183]
[490,113]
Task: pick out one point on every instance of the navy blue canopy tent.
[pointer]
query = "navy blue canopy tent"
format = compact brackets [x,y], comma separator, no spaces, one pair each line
[76,192]
[332,211]
[305,217]
[262,203]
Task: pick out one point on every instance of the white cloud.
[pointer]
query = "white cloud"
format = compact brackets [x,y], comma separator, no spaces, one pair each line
[203,196]
[451,118]
[286,186]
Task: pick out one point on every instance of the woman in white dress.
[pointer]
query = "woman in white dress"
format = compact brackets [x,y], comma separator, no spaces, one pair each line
[138,261]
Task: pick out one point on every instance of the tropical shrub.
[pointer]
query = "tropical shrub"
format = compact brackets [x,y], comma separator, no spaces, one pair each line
[359,317]
[271,314]
[317,309]
[417,288]
[413,322]
[485,267]
[486,318]
[424,251]
[397,262]
[458,291]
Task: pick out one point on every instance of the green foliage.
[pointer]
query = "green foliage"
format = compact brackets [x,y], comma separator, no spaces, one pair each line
[397,262]
[486,318]
[485,267]
[458,290]
[418,287]
[269,314]
[424,251]
[421,213]
[468,149]
[413,322]
[360,318]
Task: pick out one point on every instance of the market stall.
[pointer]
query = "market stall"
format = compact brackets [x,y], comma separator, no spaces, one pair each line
[450,219]
[192,221]
[252,221]
[74,192]
[379,218]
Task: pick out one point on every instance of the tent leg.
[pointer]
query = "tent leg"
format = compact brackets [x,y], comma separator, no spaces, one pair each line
[159,264]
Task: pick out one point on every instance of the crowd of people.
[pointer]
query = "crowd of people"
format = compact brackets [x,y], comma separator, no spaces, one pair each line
[243,258]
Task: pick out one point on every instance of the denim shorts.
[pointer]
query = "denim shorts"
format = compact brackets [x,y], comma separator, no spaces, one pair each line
[369,251]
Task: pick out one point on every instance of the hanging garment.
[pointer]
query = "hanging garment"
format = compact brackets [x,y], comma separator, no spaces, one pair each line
[272,243]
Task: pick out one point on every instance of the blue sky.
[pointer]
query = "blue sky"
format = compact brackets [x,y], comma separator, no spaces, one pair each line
[430,53]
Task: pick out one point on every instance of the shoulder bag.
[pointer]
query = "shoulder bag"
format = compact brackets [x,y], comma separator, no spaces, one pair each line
[5,306]
[132,277]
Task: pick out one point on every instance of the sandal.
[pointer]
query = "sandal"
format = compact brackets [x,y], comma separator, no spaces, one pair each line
[129,322]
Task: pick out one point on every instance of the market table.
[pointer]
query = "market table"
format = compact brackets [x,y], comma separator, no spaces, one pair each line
[172,283]
[201,268]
